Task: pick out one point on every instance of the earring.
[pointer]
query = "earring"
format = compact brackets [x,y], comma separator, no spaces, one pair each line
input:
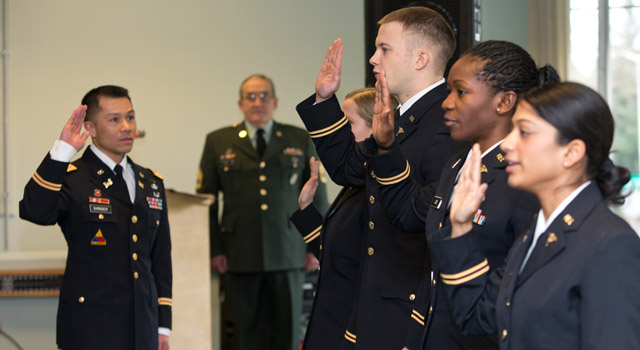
[498,110]
[565,164]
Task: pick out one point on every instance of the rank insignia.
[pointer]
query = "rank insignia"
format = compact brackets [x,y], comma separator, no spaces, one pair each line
[154,186]
[550,239]
[400,131]
[108,183]
[71,168]
[484,169]
[141,174]
[98,239]
[140,184]
[154,203]
[97,193]
[411,119]
[568,219]
[500,157]
[479,218]
[156,174]
[100,172]
[279,133]
[98,200]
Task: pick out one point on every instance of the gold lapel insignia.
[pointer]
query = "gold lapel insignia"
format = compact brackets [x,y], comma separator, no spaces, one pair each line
[141,174]
[279,133]
[484,169]
[400,131]
[140,184]
[411,119]
[524,239]
[71,168]
[500,157]
[242,134]
[550,239]
[456,163]
[100,172]
[568,219]
[108,183]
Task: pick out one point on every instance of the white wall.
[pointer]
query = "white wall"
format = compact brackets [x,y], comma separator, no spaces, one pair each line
[182,61]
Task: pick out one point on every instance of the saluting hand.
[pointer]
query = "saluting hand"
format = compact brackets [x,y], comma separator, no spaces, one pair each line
[468,195]
[309,189]
[71,131]
[383,123]
[328,80]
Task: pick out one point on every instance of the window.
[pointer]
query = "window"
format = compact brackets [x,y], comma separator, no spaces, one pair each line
[604,54]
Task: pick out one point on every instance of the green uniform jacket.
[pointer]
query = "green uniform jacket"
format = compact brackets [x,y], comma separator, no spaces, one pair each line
[259,196]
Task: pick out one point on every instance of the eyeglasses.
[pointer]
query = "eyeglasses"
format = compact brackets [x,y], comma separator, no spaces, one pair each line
[263,96]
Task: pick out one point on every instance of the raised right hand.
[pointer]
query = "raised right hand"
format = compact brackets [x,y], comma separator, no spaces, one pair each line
[309,190]
[383,123]
[219,264]
[328,80]
[71,131]
[468,195]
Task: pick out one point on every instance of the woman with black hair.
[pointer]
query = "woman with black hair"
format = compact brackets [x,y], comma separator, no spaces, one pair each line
[485,85]
[571,281]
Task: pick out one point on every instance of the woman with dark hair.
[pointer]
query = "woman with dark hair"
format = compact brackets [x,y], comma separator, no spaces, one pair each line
[337,239]
[571,281]
[485,85]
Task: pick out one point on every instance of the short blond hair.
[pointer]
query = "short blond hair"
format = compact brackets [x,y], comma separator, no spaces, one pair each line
[430,29]
[365,99]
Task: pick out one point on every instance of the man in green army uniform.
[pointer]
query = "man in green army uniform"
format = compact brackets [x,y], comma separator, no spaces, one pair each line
[260,166]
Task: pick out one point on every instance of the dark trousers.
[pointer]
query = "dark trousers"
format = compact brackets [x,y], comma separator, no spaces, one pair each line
[267,308]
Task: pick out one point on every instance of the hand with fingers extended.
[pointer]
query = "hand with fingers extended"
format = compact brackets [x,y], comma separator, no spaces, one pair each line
[328,80]
[309,189]
[383,123]
[468,195]
[71,133]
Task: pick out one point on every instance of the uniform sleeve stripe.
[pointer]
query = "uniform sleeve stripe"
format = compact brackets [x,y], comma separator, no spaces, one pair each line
[350,336]
[165,301]
[329,130]
[466,279]
[417,319]
[313,235]
[415,313]
[46,184]
[395,179]
[467,271]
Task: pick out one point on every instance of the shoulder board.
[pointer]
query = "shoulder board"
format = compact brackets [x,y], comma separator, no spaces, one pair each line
[156,174]
[71,168]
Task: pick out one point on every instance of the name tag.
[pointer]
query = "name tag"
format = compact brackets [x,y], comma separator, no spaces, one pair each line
[437,202]
[98,208]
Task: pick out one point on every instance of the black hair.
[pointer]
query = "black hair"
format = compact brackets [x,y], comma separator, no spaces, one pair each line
[92,98]
[578,112]
[508,67]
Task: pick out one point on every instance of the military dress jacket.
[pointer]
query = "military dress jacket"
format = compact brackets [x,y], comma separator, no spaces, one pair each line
[116,289]
[337,240]
[260,194]
[578,290]
[394,259]
[504,213]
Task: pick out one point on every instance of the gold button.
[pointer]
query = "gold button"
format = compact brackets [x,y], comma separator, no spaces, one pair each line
[372,199]
[263,178]
[504,334]
[430,309]
[318,268]
[134,237]
[364,164]
[440,226]
[262,165]
[371,225]
[101,217]
[524,239]
[295,165]
[226,168]
[264,206]
[412,297]
[135,275]
[434,283]
[157,222]
[263,192]
[134,219]
[370,251]
[134,256]
[321,247]
[373,175]
[81,299]
[508,302]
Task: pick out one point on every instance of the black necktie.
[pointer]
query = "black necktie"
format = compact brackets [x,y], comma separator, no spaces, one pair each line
[118,169]
[261,144]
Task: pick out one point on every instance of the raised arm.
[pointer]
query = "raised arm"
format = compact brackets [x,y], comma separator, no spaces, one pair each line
[383,123]
[328,80]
